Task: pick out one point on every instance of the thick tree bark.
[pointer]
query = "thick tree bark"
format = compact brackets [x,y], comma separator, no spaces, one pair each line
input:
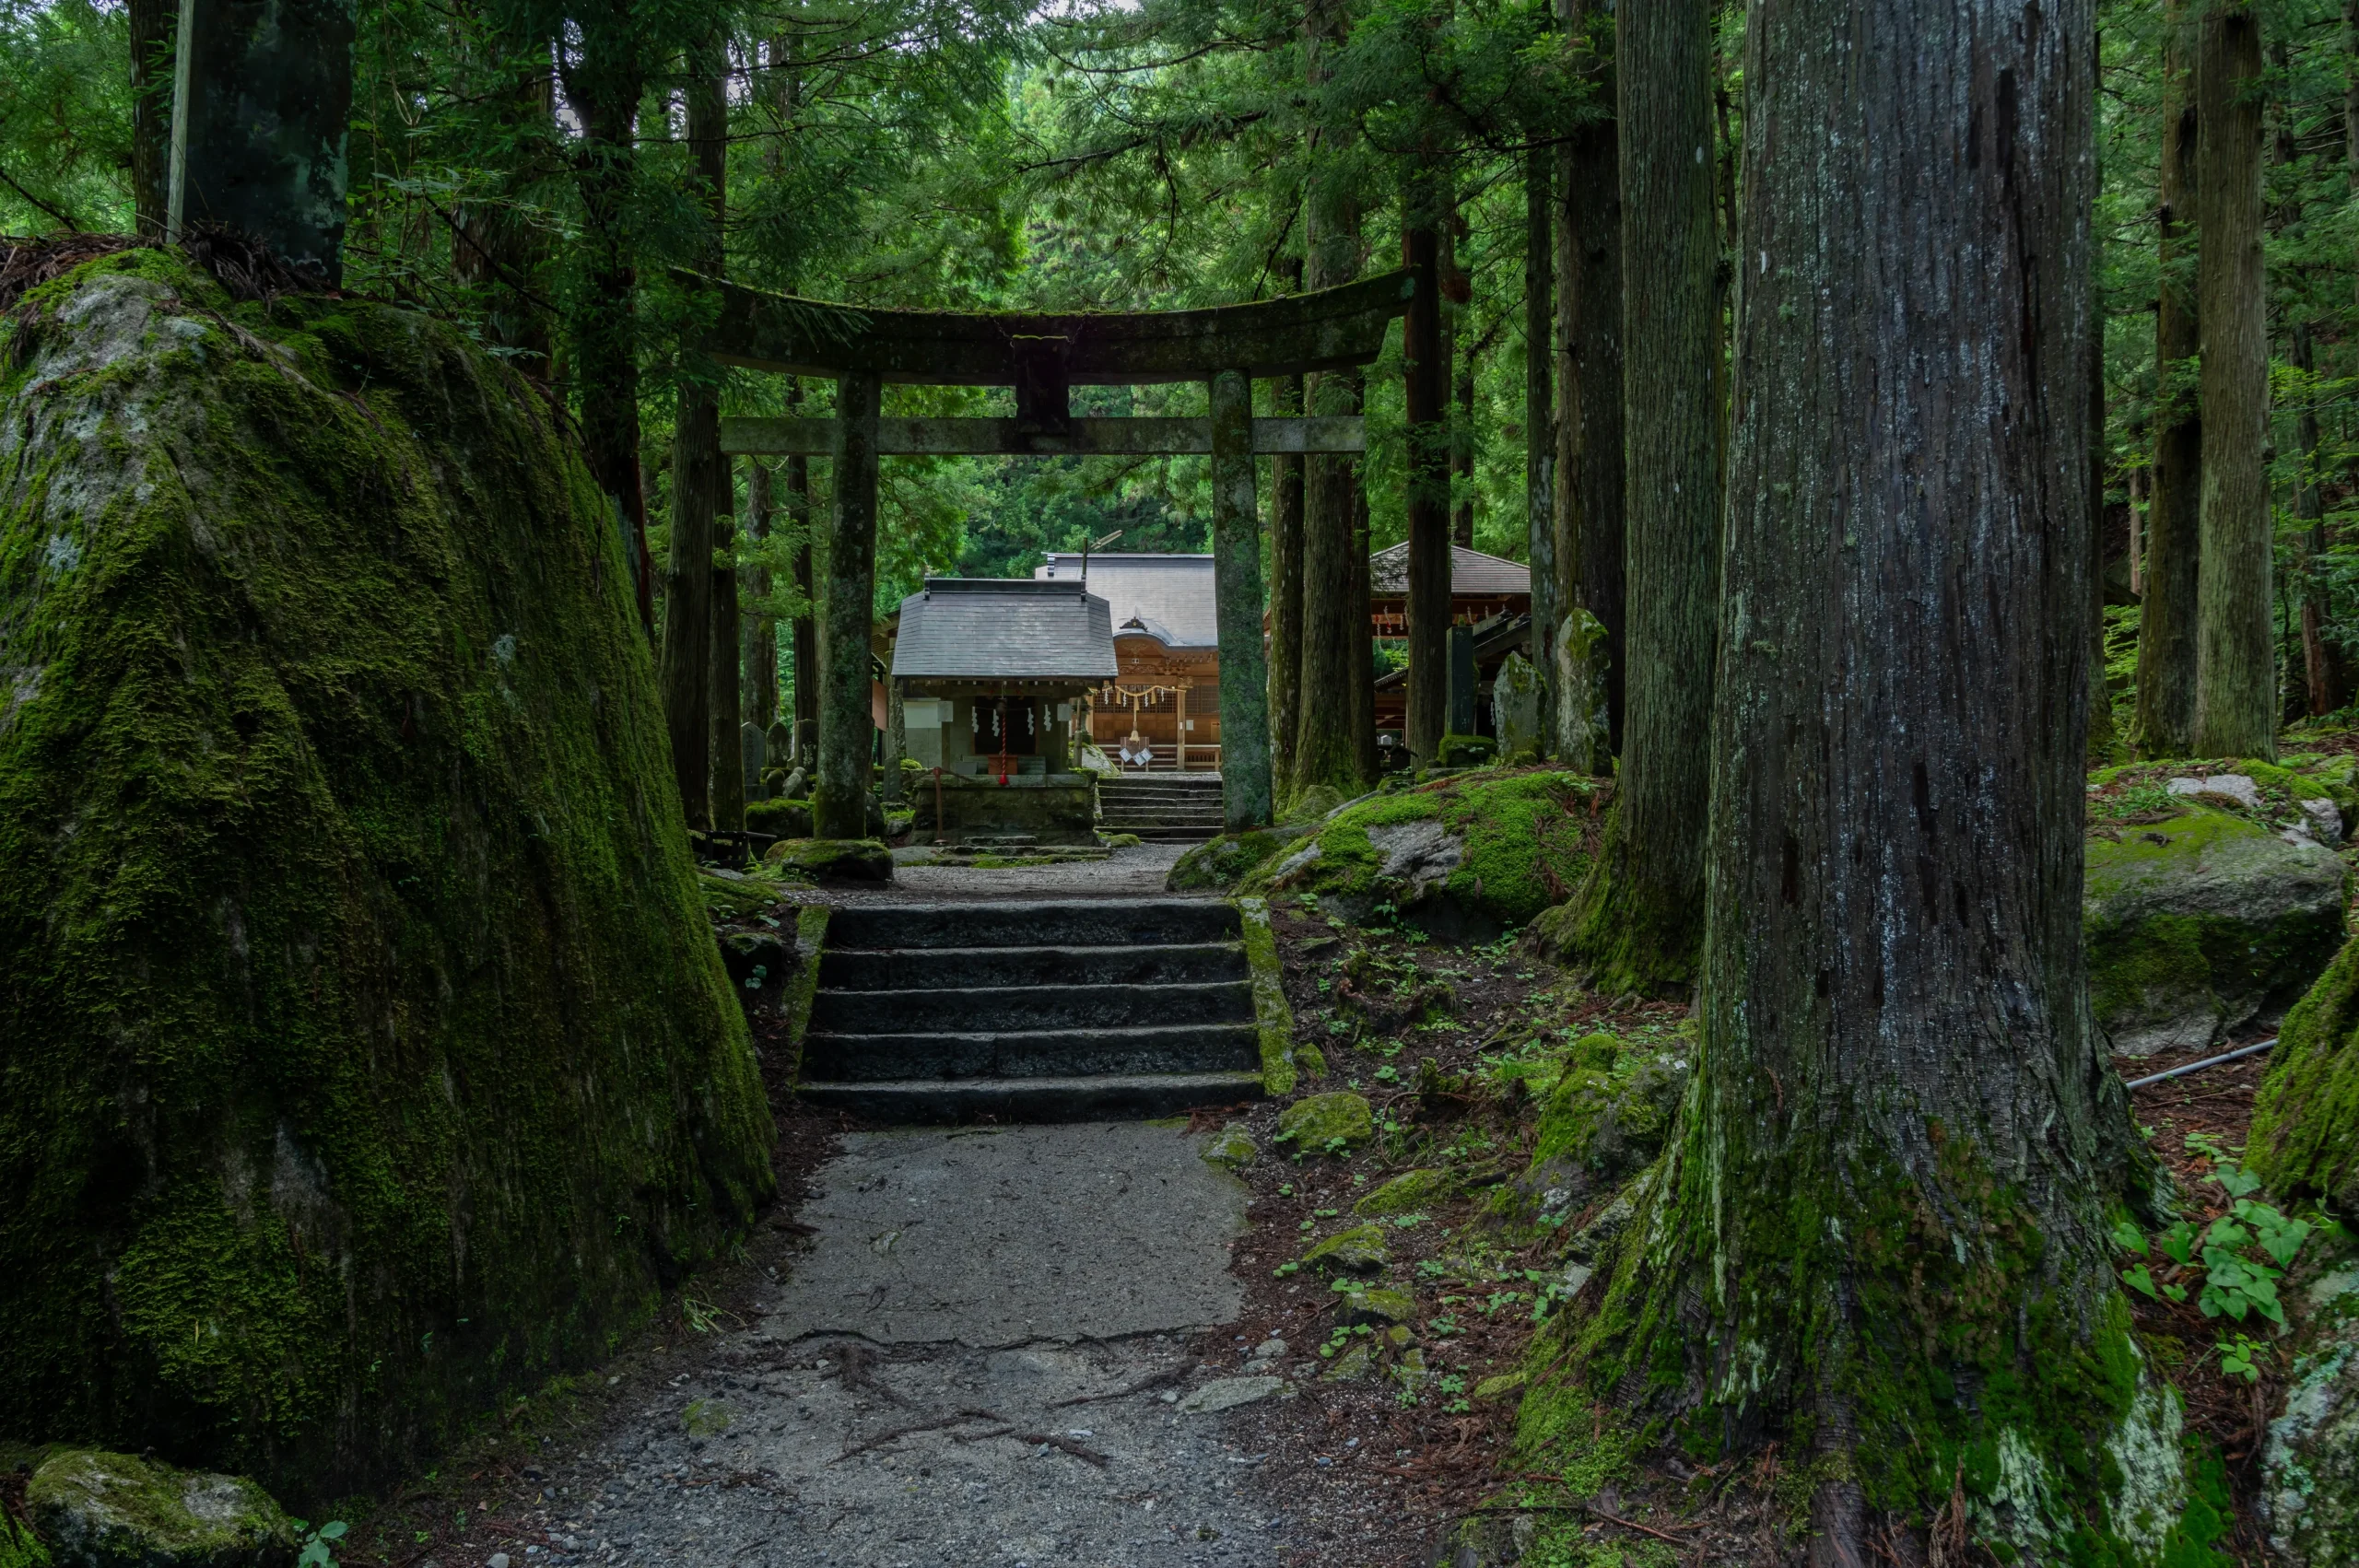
[761,629]
[2236,663]
[604,82]
[1879,1234]
[804,633]
[1424,374]
[1334,628]
[1637,921]
[2174,535]
[1588,495]
[152,24]
[847,731]
[1540,428]
[700,481]
[1286,594]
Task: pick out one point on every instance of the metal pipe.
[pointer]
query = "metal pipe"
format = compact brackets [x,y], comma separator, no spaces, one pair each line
[2208,1061]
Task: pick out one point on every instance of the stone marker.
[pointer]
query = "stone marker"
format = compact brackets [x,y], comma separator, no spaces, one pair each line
[752,746]
[1462,680]
[1515,707]
[781,740]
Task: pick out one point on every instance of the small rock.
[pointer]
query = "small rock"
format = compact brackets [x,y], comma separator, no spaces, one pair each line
[1506,1383]
[1409,1191]
[103,1508]
[1227,1393]
[1326,1123]
[1360,1250]
[1270,1349]
[1351,1365]
[2325,821]
[498,1560]
[2236,787]
[1374,1304]
[1411,1371]
[832,860]
[1231,1148]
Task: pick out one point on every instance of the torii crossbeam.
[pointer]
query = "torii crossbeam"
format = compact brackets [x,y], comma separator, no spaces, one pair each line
[1043,356]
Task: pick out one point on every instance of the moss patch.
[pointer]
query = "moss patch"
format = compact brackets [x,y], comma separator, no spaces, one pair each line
[2305,1123]
[1327,1123]
[1273,1016]
[1466,855]
[365,1052]
[1219,864]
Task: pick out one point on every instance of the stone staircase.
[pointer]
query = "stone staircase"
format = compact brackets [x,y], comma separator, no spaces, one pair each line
[1032,1011]
[1161,807]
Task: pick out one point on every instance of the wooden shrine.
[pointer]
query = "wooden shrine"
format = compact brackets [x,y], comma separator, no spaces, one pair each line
[1042,356]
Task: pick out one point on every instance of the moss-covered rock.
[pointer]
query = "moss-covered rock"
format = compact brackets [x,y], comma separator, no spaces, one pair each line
[1601,1122]
[1359,1250]
[1407,1193]
[1320,1123]
[1281,1060]
[102,1510]
[364,1047]
[2202,922]
[1464,857]
[780,818]
[831,859]
[1231,1148]
[1376,1305]
[2310,1460]
[2305,1140]
[1219,864]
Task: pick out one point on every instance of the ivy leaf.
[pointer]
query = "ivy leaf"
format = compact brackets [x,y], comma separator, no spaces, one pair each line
[2140,1279]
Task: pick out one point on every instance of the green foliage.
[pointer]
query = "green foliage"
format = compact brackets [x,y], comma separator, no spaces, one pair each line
[319,1545]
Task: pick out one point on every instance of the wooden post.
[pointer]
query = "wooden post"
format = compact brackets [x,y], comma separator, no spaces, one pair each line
[1237,588]
[1179,732]
[725,775]
[847,731]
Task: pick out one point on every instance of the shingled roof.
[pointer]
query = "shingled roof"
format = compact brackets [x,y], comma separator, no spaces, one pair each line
[1169,598]
[970,628]
[1472,574]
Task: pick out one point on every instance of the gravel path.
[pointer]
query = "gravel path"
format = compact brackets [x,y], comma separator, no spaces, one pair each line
[991,1351]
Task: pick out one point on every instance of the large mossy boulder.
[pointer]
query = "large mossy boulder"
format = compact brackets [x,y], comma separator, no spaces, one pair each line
[2305,1140]
[2202,916]
[100,1510]
[1464,857]
[365,1052]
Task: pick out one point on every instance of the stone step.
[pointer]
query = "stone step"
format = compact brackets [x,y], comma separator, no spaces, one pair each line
[930,967]
[1154,792]
[1036,1053]
[1123,822]
[1170,835]
[1002,1008]
[1035,1099]
[1078,922]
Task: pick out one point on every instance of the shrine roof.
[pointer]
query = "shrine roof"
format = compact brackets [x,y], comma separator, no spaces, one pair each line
[1169,598]
[1472,573]
[1003,629]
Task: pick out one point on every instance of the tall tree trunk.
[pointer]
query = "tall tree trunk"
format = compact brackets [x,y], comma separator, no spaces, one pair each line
[761,628]
[804,634]
[2323,666]
[1362,642]
[2104,738]
[152,25]
[1286,591]
[1424,375]
[1334,632]
[1638,919]
[1540,428]
[1588,497]
[2236,665]
[1880,1232]
[604,82]
[700,478]
[497,247]
[728,775]
[2174,535]
[1461,440]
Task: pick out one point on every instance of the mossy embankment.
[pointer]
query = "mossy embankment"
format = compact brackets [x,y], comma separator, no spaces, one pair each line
[365,1054]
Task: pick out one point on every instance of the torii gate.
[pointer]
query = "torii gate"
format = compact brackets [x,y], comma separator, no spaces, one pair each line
[1041,356]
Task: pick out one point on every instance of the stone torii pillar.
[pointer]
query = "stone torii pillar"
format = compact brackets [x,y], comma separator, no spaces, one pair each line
[1237,595]
[846,595]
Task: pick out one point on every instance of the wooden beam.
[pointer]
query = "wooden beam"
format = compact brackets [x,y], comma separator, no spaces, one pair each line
[1003,438]
[1329,329]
